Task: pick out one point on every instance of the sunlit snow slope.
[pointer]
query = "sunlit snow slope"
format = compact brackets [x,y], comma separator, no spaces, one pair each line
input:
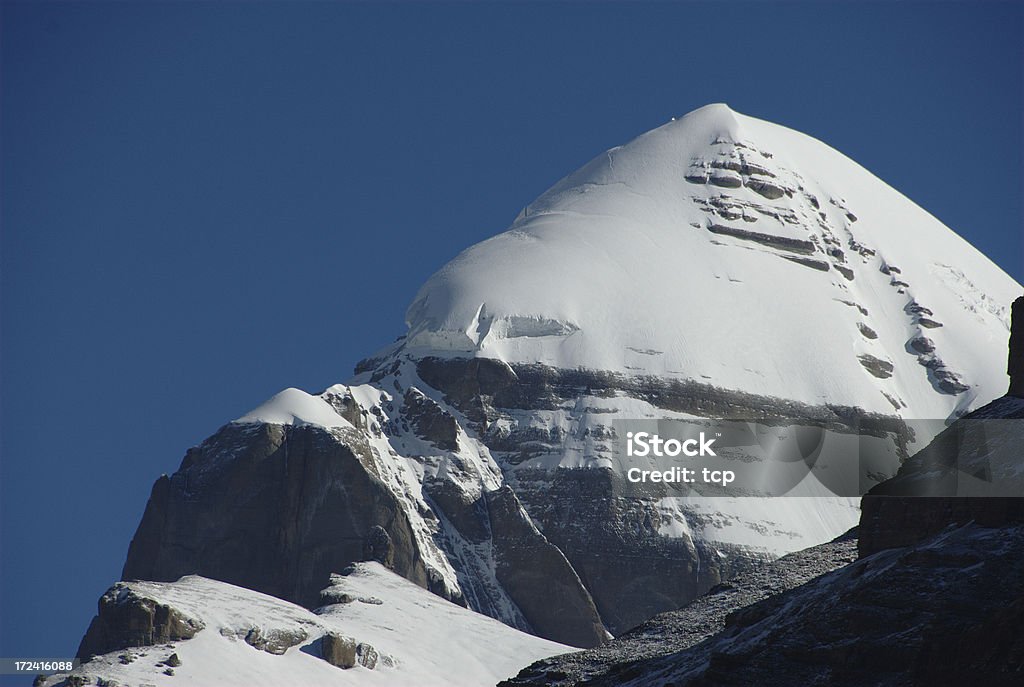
[727,249]
[406,635]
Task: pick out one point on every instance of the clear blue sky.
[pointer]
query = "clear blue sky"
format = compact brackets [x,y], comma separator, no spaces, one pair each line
[204,203]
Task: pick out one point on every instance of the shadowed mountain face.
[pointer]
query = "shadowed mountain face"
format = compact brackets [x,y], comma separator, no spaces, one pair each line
[308,501]
[938,613]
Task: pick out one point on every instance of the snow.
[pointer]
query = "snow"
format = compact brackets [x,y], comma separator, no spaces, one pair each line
[618,258]
[429,640]
[295,407]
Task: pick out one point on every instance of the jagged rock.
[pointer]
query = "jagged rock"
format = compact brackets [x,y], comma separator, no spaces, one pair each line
[366,655]
[306,490]
[275,640]
[922,344]
[948,381]
[879,368]
[1015,361]
[430,421]
[820,265]
[338,650]
[867,331]
[922,498]
[726,180]
[845,271]
[347,407]
[765,188]
[346,652]
[538,577]
[771,240]
[173,661]
[127,619]
[316,500]
[468,514]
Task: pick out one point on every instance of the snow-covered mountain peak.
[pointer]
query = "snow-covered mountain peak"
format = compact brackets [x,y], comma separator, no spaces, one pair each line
[715,248]
[719,118]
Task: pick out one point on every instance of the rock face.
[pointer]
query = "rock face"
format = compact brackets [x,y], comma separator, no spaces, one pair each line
[274,641]
[1015,364]
[537,576]
[616,543]
[938,613]
[309,501]
[338,650]
[676,631]
[129,619]
[302,505]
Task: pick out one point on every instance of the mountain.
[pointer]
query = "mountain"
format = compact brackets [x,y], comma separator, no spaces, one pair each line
[375,628]
[944,611]
[715,249]
[668,634]
[716,267]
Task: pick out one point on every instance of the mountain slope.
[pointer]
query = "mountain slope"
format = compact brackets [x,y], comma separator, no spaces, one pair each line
[717,247]
[945,611]
[377,629]
[675,631]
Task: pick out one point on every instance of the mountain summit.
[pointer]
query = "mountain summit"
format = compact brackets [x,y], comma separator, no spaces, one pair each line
[724,248]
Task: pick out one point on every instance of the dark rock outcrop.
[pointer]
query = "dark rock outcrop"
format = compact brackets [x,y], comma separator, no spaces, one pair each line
[338,650]
[537,576]
[274,640]
[480,388]
[1015,362]
[939,613]
[307,502]
[876,366]
[128,619]
[895,521]
[431,422]
[304,502]
[675,631]
[632,572]
[345,652]
[928,493]
[933,489]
